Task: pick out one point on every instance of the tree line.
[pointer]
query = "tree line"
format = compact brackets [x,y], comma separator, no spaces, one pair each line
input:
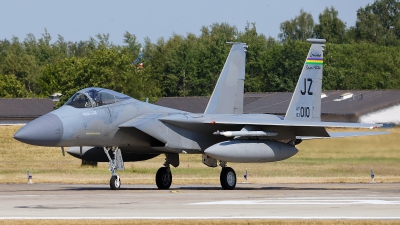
[364,56]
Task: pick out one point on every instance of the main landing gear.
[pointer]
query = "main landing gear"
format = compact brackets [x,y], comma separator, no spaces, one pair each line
[115,163]
[227,177]
[164,175]
[164,178]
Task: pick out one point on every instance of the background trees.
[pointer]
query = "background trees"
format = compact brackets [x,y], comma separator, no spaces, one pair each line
[379,23]
[298,29]
[330,27]
[365,56]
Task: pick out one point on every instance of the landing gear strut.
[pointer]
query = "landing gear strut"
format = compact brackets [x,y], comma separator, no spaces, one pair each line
[227,177]
[115,163]
[164,175]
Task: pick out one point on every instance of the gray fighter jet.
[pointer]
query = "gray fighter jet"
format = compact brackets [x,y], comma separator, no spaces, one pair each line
[107,126]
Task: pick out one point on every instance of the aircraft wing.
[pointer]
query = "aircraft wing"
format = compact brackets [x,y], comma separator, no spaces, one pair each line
[289,123]
[257,120]
[262,123]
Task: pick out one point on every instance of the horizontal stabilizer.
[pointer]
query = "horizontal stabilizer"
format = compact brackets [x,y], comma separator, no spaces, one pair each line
[343,134]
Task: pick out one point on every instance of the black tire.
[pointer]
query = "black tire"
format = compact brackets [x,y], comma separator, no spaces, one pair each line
[228,178]
[115,183]
[163,178]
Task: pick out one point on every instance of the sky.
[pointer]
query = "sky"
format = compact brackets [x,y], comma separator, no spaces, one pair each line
[78,20]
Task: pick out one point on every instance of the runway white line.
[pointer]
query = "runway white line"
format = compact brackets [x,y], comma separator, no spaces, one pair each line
[301,202]
[203,218]
[341,197]
[18,196]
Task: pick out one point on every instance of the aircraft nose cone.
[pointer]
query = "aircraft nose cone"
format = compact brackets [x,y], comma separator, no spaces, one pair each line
[46,130]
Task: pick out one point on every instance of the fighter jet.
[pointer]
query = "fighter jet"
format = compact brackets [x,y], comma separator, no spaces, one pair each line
[106,126]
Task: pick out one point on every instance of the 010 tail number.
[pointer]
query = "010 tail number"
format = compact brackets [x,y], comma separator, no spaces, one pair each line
[303,112]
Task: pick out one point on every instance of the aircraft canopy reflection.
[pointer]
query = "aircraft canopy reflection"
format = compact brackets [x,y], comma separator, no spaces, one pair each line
[94,97]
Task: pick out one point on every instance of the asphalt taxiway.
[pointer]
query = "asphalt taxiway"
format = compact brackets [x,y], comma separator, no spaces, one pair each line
[247,201]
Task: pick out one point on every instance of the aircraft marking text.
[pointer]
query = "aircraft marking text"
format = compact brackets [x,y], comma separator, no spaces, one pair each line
[89,113]
[303,112]
[309,92]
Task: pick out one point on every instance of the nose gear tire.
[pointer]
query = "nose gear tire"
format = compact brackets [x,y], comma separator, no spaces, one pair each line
[115,183]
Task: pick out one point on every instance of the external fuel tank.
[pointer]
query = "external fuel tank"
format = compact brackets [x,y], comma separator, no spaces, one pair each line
[249,151]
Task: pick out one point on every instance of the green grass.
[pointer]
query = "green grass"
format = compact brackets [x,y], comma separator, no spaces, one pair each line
[323,160]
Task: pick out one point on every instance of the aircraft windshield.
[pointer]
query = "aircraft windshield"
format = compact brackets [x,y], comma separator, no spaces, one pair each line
[94,97]
[79,100]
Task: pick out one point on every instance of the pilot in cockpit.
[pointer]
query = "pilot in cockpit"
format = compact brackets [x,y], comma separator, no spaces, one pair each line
[94,95]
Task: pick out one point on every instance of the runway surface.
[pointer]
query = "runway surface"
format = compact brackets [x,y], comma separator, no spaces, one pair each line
[247,201]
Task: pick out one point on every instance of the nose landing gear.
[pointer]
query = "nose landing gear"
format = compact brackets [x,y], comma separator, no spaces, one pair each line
[115,182]
[115,163]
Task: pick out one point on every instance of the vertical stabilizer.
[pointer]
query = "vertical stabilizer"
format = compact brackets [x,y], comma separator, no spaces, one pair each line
[227,97]
[306,100]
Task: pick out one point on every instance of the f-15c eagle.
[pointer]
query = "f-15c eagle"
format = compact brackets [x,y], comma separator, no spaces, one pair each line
[106,126]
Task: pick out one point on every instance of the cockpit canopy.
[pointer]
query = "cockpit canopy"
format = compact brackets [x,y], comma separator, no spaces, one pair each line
[95,97]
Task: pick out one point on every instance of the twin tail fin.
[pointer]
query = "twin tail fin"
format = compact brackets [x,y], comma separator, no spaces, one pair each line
[305,104]
[227,97]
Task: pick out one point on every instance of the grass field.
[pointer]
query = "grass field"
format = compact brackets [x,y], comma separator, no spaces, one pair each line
[329,160]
